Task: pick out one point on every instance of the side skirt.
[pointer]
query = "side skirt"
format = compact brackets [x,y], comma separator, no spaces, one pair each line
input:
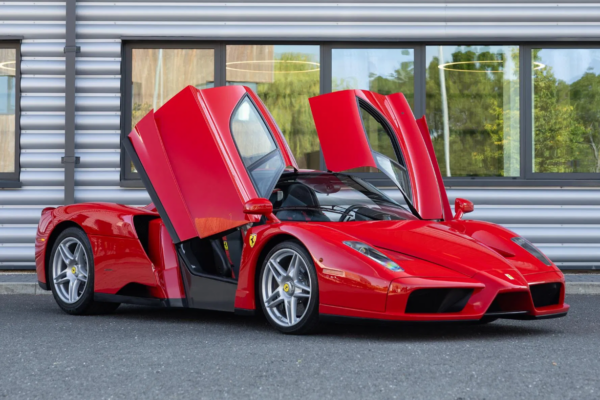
[140,301]
[207,292]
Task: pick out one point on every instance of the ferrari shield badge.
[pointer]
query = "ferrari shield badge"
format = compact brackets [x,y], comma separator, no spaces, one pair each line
[252,240]
[509,276]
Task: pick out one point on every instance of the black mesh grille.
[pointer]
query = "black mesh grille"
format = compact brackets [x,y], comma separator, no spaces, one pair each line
[432,301]
[546,294]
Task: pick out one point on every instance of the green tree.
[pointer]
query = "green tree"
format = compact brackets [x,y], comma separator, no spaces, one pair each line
[287,100]
[557,131]
[480,97]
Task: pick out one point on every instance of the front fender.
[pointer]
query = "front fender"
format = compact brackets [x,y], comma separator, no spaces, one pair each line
[345,277]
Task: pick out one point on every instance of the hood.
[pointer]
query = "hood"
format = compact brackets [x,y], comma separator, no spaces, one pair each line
[431,241]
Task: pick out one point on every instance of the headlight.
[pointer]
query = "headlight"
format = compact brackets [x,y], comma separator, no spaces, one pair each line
[374,255]
[527,245]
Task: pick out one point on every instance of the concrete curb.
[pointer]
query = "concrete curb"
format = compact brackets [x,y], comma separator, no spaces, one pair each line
[583,288]
[35,289]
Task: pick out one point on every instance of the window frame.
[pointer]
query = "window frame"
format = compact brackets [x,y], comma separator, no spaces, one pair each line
[547,176]
[129,178]
[12,179]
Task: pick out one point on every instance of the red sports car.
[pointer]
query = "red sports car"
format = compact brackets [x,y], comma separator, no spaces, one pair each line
[236,226]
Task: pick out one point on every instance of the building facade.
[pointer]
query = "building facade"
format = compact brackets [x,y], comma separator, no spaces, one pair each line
[511,91]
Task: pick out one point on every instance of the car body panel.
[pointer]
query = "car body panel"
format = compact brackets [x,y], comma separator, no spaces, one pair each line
[422,124]
[345,145]
[167,144]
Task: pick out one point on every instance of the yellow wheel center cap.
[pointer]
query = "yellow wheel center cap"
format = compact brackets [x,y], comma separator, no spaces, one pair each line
[73,270]
[286,287]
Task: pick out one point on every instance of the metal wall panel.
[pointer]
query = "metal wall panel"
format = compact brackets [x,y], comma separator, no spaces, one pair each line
[336,13]
[565,223]
[42,140]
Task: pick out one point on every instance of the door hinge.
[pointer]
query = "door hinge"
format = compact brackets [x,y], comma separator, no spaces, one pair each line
[69,160]
[72,49]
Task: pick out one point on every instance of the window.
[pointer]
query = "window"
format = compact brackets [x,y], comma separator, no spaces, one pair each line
[566,110]
[378,136]
[256,147]
[284,77]
[385,71]
[472,108]
[9,142]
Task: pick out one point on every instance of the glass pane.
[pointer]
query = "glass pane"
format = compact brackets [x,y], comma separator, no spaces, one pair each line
[159,74]
[284,77]
[395,172]
[250,133]
[379,139]
[266,174]
[7,109]
[472,108]
[384,71]
[566,100]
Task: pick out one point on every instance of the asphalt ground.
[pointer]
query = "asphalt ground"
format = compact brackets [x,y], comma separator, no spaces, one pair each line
[148,353]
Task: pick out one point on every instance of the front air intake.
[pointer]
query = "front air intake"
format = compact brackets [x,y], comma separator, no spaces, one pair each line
[433,301]
[545,294]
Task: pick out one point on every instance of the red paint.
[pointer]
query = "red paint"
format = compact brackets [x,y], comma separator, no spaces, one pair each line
[189,154]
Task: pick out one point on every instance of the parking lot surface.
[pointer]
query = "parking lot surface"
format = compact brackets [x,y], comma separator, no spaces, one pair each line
[149,353]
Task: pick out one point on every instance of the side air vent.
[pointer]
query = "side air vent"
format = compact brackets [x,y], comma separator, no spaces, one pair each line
[546,294]
[141,224]
[432,301]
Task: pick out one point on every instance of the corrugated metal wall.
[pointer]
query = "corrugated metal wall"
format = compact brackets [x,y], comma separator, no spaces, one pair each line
[565,223]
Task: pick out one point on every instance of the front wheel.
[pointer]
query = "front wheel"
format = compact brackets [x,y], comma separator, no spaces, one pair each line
[71,273]
[288,291]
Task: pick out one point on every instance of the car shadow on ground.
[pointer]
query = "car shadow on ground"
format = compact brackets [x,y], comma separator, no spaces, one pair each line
[417,332]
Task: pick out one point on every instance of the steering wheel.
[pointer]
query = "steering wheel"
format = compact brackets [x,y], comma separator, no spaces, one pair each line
[347,212]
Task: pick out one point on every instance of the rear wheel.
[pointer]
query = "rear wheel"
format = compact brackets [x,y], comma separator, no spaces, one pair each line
[288,290]
[71,273]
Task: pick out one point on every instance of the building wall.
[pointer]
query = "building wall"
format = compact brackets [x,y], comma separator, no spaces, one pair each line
[564,222]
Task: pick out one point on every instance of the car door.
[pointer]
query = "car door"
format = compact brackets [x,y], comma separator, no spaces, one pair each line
[202,156]
[200,161]
[358,128]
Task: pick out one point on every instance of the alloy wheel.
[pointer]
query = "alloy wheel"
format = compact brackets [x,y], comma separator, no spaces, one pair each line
[286,287]
[70,270]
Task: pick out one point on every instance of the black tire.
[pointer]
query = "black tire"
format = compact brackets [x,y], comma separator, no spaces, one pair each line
[310,319]
[85,305]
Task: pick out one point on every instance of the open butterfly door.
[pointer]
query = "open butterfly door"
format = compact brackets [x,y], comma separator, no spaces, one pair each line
[202,156]
[341,118]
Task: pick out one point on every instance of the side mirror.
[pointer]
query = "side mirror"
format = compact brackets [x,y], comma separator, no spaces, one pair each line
[461,207]
[260,206]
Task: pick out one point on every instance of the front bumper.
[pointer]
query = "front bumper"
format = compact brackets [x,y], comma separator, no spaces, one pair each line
[492,294]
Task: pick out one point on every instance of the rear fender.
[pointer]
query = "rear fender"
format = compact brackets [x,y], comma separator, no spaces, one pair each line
[119,256]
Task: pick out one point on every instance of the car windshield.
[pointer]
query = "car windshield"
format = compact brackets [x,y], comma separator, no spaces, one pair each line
[329,197]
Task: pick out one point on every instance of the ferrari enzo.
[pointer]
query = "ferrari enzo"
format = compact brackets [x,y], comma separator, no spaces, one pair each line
[235,225]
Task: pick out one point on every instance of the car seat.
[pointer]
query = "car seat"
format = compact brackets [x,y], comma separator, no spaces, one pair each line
[296,194]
